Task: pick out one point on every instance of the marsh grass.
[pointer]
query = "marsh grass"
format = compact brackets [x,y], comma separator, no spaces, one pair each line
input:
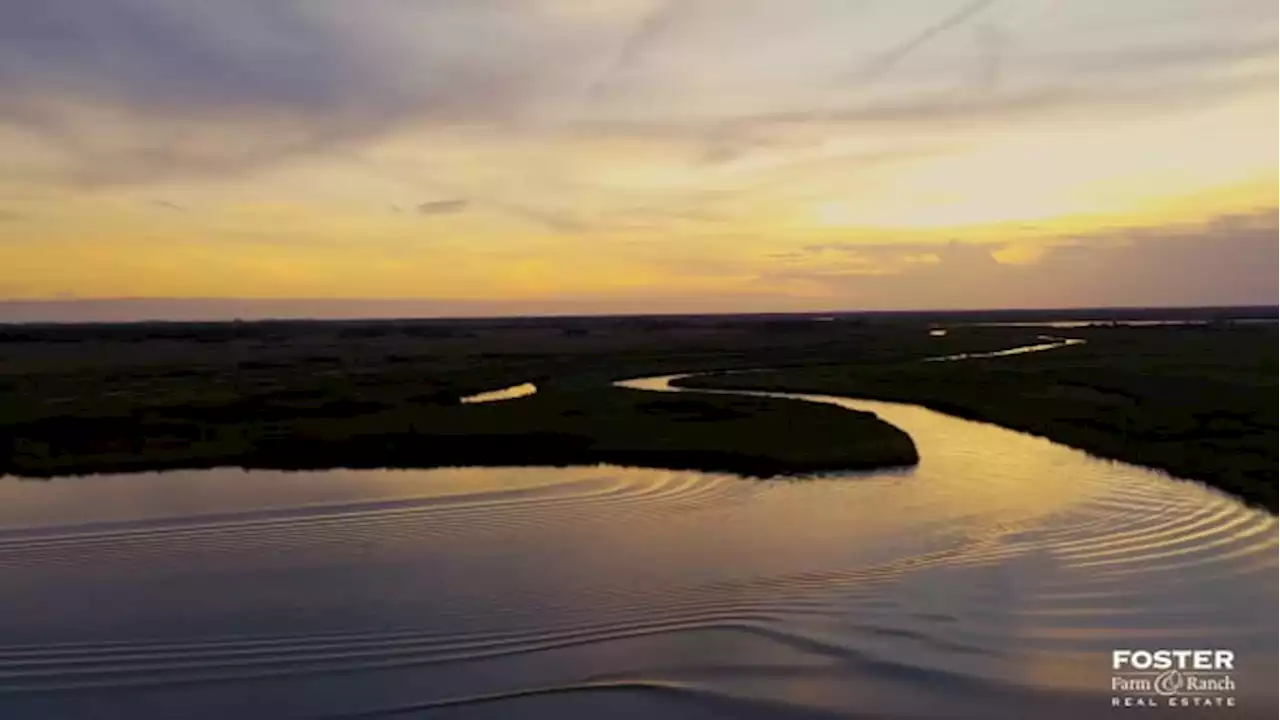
[84,399]
[1196,401]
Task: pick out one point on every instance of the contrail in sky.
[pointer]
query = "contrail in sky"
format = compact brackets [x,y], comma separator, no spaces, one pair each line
[879,66]
[652,25]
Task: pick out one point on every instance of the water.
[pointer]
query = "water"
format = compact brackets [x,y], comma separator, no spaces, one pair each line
[1076,324]
[506,393]
[1047,343]
[993,580]
[1085,323]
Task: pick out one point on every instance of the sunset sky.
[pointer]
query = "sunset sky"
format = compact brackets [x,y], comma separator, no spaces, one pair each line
[545,156]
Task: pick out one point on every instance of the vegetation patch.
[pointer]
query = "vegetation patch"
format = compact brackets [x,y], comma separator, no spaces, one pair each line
[1195,401]
[101,398]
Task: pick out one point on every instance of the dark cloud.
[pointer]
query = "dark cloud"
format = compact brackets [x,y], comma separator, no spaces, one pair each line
[443,207]
[412,179]
[294,56]
[1228,261]
[154,54]
[134,89]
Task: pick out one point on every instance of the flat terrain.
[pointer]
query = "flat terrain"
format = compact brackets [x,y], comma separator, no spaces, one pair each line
[83,399]
[1195,400]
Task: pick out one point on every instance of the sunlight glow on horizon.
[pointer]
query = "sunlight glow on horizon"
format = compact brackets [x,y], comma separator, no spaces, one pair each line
[885,155]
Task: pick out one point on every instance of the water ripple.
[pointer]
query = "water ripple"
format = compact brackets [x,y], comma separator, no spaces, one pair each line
[999,572]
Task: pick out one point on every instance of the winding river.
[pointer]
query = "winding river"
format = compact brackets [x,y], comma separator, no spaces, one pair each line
[993,580]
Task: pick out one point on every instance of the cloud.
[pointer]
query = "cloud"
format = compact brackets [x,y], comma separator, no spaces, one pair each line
[443,207]
[135,90]
[738,136]
[1229,260]
[877,68]
[312,58]
[62,308]
[675,134]
[129,90]
[832,264]
[991,42]
[632,46]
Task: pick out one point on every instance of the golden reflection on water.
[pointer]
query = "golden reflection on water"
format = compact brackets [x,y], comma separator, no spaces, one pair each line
[506,393]
[1002,563]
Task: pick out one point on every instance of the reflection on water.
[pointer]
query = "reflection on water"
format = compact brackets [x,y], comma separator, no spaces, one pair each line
[506,393]
[1077,324]
[993,580]
[1050,343]
[1072,324]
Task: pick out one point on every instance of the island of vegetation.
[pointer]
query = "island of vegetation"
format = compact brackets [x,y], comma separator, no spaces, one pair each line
[98,399]
[750,436]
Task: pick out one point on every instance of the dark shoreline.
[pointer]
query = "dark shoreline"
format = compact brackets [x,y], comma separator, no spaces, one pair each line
[1194,400]
[752,437]
[78,399]
[746,467]
[1191,429]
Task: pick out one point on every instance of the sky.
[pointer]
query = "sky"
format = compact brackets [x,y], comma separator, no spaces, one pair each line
[439,157]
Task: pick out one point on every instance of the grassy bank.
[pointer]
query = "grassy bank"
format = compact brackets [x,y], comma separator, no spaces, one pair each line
[1197,402]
